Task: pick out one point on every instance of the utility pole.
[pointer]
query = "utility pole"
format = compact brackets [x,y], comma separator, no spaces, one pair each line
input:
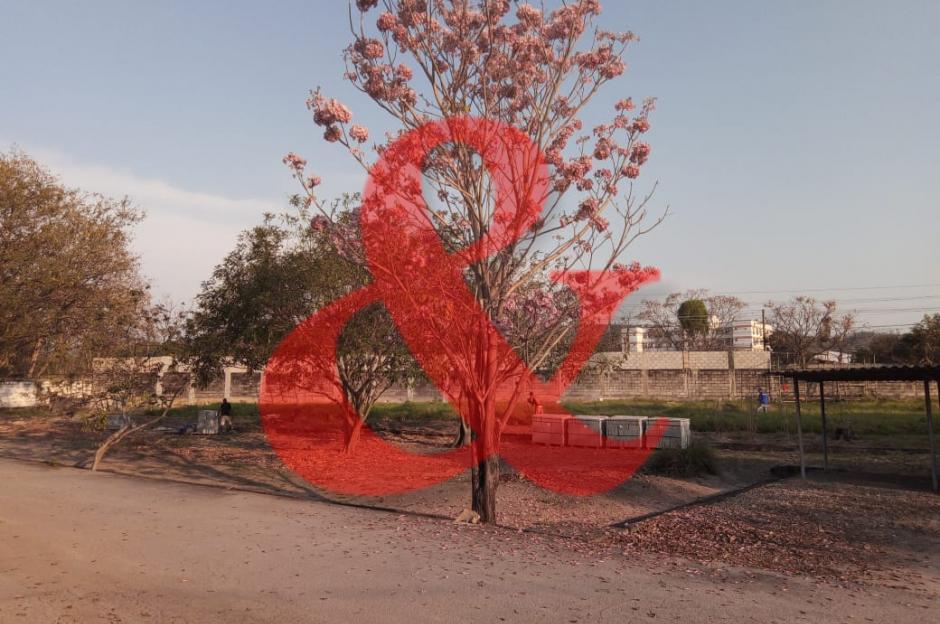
[763,327]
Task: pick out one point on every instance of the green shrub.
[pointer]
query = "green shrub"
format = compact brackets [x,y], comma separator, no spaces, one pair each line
[695,460]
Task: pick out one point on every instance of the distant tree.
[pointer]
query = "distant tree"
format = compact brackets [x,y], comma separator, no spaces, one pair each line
[923,341]
[692,316]
[68,278]
[869,347]
[280,273]
[889,348]
[612,339]
[679,321]
[805,328]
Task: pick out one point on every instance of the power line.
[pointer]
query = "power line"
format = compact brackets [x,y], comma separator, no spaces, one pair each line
[842,289]
[866,326]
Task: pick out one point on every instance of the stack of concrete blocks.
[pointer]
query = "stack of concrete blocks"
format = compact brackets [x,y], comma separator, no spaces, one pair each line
[549,429]
[17,394]
[625,432]
[207,422]
[677,433]
[587,431]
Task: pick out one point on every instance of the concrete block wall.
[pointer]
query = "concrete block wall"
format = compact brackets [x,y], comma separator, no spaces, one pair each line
[664,375]
[653,360]
[707,359]
[752,359]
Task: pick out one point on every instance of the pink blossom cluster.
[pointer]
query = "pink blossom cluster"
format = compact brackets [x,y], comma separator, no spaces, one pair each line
[639,153]
[327,112]
[617,153]
[297,166]
[380,80]
[513,61]
[603,61]
[534,310]
[369,48]
[359,133]
[295,162]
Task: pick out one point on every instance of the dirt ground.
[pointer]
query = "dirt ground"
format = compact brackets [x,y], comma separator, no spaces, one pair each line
[82,547]
[868,520]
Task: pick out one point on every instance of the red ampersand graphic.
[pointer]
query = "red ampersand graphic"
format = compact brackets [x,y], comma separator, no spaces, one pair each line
[303,404]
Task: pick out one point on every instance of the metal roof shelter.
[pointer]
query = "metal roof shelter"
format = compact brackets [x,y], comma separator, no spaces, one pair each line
[925,374]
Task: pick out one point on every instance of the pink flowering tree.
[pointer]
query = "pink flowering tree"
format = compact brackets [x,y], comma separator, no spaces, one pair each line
[535,70]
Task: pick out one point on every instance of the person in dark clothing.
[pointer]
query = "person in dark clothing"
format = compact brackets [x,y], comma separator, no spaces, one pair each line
[225,416]
[534,402]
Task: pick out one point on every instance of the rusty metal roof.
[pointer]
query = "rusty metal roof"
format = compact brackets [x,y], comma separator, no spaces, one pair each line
[862,373]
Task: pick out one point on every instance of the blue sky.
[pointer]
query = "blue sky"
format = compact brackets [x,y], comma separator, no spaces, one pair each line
[796,142]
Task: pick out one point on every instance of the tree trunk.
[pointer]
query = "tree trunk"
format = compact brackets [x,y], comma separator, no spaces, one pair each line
[485,476]
[463,436]
[353,433]
[485,471]
[34,357]
[127,430]
[112,439]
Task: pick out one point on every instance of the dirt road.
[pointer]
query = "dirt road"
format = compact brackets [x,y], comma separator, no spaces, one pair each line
[83,547]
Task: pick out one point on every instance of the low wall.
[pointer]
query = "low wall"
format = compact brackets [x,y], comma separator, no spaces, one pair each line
[656,375]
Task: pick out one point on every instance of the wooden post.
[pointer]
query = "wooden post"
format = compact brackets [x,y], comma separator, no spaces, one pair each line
[799,427]
[930,434]
[825,431]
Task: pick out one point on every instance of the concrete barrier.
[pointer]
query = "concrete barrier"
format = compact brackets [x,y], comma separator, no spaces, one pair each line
[678,433]
[18,394]
[587,431]
[625,432]
[207,422]
[549,429]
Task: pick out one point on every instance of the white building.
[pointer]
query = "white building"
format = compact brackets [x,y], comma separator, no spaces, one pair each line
[746,335]
[740,335]
[833,357]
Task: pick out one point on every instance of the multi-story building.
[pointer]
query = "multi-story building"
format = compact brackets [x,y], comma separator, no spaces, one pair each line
[740,335]
[745,335]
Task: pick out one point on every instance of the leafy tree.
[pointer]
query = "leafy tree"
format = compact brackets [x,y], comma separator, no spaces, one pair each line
[68,278]
[922,343]
[279,274]
[692,316]
[693,320]
[535,71]
[878,348]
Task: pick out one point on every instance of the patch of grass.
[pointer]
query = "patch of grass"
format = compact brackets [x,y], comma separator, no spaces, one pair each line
[866,418]
[243,414]
[696,460]
[25,413]
[410,411]
[247,413]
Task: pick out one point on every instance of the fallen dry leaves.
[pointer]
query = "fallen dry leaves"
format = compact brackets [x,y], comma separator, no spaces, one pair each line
[835,530]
